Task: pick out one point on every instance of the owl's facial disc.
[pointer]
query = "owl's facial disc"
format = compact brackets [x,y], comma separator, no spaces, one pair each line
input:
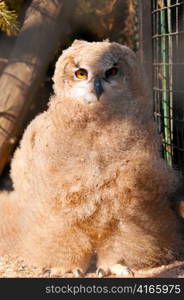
[91,83]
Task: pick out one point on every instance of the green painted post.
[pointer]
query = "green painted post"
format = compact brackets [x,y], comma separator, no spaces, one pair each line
[165,93]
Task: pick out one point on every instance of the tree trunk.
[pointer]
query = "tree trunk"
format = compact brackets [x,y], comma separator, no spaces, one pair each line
[44,28]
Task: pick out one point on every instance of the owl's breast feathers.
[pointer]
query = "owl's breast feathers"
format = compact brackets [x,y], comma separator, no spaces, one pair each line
[88,167]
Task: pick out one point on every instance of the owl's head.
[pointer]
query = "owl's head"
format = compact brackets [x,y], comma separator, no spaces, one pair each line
[93,72]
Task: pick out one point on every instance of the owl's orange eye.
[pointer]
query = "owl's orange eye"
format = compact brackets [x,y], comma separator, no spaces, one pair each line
[81,74]
[111,72]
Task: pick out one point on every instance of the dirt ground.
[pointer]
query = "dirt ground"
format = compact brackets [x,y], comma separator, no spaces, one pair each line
[15,268]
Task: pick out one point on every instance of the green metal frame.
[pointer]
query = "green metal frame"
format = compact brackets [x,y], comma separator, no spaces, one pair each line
[166,49]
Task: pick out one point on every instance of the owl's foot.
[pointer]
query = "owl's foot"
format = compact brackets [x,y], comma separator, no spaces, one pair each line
[116,269]
[78,273]
[58,272]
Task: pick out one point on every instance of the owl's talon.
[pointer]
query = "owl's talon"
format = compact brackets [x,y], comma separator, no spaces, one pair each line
[100,273]
[78,273]
[121,270]
[131,273]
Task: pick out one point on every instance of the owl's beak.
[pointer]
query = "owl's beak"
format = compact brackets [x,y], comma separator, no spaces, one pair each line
[98,87]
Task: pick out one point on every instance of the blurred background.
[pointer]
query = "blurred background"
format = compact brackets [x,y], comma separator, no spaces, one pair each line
[34,33]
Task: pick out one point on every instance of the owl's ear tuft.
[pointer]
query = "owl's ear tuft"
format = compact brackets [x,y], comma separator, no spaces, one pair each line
[126,53]
[106,40]
[126,50]
[77,42]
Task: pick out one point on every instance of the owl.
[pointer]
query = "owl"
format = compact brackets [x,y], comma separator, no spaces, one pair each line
[88,176]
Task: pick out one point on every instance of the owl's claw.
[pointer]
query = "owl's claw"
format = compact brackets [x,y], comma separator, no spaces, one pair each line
[121,270]
[78,273]
[59,272]
[116,269]
[100,273]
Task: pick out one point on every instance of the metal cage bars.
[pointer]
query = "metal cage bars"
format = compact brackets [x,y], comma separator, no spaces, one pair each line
[161,28]
[168,69]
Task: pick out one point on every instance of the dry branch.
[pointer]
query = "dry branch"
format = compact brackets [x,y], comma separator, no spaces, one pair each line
[44,27]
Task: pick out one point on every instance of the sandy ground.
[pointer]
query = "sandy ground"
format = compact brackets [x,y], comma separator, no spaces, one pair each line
[15,268]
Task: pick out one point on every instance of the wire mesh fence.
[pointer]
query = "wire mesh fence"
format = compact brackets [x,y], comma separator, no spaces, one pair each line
[168,77]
